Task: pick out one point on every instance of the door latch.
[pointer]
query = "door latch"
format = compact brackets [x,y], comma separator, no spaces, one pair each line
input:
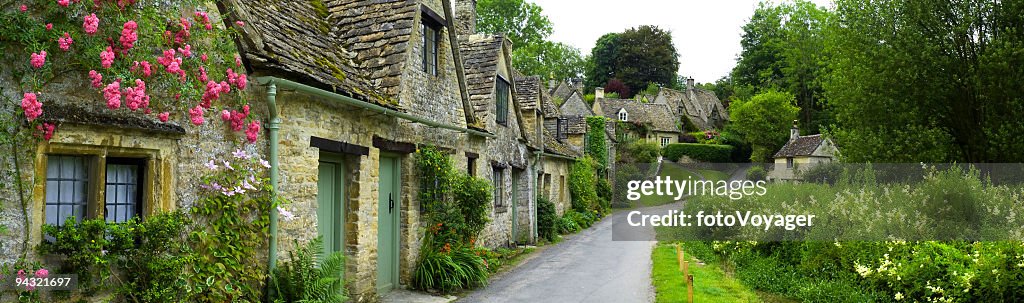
[391,203]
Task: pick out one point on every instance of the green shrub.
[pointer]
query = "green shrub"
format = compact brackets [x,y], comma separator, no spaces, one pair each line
[698,152]
[567,225]
[757,173]
[824,173]
[547,219]
[473,197]
[604,194]
[448,269]
[597,147]
[741,150]
[583,185]
[639,151]
[306,277]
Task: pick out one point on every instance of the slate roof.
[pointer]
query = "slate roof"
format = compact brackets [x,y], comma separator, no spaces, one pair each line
[354,47]
[658,116]
[698,106]
[548,106]
[528,92]
[800,147]
[551,145]
[481,54]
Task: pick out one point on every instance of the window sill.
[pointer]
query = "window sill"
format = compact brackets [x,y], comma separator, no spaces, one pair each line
[500,209]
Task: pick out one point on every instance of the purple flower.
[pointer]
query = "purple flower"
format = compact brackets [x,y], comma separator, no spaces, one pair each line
[215,186]
[246,185]
[265,163]
[240,154]
[285,214]
[211,165]
[228,165]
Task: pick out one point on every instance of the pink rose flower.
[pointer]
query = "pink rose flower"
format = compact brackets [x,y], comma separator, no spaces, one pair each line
[196,114]
[23,8]
[242,81]
[164,116]
[147,69]
[42,272]
[202,75]
[187,51]
[47,130]
[136,97]
[65,42]
[225,115]
[97,79]
[31,105]
[113,94]
[107,57]
[253,131]
[49,26]
[240,23]
[91,24]
[203,57]
[64,3]
[38,59]
[238,61]
[128,35]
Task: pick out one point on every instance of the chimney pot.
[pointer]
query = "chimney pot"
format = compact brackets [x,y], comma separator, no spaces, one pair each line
[794,132]
[598,93]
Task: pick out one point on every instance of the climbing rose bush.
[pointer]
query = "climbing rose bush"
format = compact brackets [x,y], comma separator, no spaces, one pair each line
[137,57]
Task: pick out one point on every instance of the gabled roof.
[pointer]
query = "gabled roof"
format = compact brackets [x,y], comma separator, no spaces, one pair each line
[548,106]
[800,147]
[658,116]
[481,54]
[697,104]
[577,125]
[562,91]
[354,47]
[528,91]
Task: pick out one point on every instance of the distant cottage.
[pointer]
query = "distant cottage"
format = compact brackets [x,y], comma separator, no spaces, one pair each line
[800,154]
[697,107]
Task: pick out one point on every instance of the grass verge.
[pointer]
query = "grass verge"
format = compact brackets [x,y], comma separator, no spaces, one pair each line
[711,283]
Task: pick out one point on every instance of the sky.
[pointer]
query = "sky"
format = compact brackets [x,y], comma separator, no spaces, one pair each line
[706,32]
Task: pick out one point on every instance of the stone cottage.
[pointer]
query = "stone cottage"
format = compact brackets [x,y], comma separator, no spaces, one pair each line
[357,89]
[492,92]
[653,122]
[557,156]
[698,107]
[800,154]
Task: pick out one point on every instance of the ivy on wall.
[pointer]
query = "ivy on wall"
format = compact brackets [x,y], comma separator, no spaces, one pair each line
[597,147]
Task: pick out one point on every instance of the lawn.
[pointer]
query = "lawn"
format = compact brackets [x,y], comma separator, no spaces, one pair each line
[711,283]
[713,175]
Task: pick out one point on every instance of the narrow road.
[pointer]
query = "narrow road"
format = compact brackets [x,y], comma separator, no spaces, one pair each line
[586,267]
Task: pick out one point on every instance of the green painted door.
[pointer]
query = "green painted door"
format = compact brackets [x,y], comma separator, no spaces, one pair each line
[387,224]
[330,211]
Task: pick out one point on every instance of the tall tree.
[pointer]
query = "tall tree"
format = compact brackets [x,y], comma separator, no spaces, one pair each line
[526,25]
[928,80]
[646,55]
[601,64]
[783,49]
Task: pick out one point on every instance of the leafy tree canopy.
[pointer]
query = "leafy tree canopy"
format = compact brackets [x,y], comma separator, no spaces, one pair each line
[638,56]
[526,25]
[764,121]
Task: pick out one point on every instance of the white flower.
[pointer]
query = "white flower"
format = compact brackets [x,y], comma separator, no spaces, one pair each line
[228,165]
[265,163]
[898,296]
[240,154]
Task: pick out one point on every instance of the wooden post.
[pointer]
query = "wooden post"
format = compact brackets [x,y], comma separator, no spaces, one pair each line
[689,287]
[686,268]
[679,256]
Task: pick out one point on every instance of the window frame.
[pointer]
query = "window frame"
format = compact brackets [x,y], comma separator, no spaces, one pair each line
[88,205]
[562,129]
[498,180]
[623,115]
[97,166]
[430,37]
[665,141]
[789,162]
[140,183]
[502,98]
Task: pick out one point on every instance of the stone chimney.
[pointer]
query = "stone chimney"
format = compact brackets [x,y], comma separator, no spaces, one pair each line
[465,17]
[552,84]
[794,132]
[577,83]
[689,83]
[599,93]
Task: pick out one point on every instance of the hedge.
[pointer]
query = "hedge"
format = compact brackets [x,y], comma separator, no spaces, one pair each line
[699,152]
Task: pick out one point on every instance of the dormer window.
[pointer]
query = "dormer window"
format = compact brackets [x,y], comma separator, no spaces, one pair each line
[623,115]
[501,96]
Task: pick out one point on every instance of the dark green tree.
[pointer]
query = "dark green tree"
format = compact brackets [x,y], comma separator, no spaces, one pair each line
[601,64]
[928,80]
[646,55]
[764,121]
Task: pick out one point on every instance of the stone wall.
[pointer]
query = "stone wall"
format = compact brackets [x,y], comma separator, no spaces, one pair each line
[555,183]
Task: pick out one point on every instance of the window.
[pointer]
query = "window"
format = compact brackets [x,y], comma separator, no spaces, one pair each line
[67,189]
[623,115]
[498,179]
[430,35]
[501,96]
[123,189]
[789,162]
[547,185]
[71,188]
[471,166]
[562,129]
[665,141]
